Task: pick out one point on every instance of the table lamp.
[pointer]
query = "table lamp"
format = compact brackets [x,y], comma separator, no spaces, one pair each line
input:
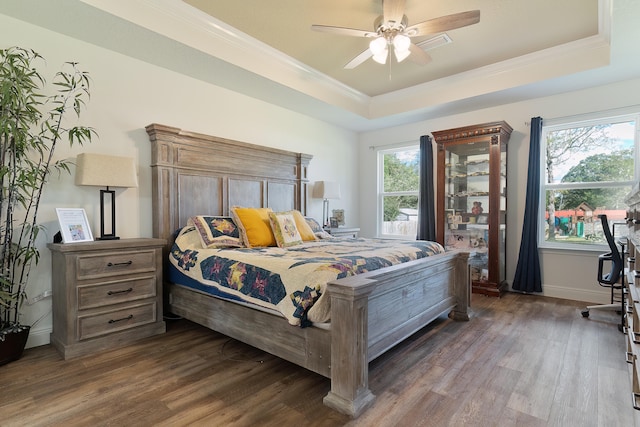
[106,171]
[326,190]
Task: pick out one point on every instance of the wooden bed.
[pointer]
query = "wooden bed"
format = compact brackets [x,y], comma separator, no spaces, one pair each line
[195,174]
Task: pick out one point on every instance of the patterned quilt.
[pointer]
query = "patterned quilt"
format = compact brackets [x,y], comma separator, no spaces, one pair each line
[291,280]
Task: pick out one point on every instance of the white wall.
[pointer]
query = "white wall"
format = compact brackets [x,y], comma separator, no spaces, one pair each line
[127,95]
[565,274]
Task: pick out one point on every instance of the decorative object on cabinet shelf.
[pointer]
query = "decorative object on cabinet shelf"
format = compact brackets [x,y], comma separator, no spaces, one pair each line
[326,190]
[477,208]
[106,171]
[74,226]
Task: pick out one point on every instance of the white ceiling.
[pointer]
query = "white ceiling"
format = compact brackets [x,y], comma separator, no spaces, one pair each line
[520,49]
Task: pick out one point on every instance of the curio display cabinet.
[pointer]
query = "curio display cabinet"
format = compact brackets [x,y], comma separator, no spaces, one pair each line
[472,199]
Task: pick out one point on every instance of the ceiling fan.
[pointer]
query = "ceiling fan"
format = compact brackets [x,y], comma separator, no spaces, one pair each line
[391,32]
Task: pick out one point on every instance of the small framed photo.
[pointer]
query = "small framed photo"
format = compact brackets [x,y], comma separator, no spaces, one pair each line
[482,219]
[74,226]
[339,215]
[333,222]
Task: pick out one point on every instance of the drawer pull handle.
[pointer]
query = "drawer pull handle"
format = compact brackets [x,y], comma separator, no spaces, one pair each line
[124,291]
[129,317]
[112,264]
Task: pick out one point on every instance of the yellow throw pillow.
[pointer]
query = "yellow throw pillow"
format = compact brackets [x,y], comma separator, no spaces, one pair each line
[304,229]
[284,229]
[254,226]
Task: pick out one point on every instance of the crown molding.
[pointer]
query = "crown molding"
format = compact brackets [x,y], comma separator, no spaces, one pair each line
[580,55]
[179,21]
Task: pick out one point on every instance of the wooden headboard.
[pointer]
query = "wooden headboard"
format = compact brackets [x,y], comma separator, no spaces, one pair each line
[196,174]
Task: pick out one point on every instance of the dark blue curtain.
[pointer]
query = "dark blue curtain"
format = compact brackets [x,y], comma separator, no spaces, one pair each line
[426,210]
[528,277]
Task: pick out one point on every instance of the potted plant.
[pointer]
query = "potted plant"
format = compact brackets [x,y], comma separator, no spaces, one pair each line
[31,125]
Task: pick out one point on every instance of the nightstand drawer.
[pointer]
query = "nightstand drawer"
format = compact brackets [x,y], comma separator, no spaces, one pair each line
[115,263]
[101,294]
[103,323]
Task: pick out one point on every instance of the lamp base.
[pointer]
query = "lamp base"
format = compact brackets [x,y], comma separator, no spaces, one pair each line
[325,213]
[108,238]
[112,234]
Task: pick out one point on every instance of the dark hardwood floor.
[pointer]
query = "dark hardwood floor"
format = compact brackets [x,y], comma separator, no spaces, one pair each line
[521,360]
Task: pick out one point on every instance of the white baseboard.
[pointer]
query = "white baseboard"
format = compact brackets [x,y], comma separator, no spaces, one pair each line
[38,337]
[596,296]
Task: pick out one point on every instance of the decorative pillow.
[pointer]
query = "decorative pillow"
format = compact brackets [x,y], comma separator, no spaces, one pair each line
[216,231]
[304,229]
[284,229]
[254,226]
[317,229]
[313,224]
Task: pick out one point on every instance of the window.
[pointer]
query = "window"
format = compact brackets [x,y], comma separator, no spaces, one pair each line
[588,168]
[399,174]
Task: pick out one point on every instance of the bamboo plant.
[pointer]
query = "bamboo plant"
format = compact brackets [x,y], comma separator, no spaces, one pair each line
[32,124]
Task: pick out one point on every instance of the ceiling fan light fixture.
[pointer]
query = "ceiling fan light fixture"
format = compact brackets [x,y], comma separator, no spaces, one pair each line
[378,45]
[401,55]
[401,45]
[381,58]
[379,49]
[401,42]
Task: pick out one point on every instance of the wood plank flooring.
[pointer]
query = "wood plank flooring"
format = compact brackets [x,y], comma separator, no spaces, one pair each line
[521,360]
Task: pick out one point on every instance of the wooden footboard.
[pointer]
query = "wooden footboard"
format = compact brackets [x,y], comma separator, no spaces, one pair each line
[372,312]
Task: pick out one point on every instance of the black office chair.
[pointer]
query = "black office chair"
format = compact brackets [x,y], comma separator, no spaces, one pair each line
[614,278]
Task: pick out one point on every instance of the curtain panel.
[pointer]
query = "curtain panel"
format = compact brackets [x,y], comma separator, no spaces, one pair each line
[426,200]
[528,277]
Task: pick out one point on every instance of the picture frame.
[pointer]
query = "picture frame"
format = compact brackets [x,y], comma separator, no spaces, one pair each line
[333,222]
[339,215]
[482,219]
[74,226]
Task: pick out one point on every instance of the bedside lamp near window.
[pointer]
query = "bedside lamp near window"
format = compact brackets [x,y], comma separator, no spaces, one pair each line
[106,171]
[326,190]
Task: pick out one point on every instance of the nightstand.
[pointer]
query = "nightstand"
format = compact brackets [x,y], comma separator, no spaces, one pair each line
[343,231]
[105,294]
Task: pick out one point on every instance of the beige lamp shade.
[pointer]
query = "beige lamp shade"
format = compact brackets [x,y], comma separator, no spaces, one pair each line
[326,190]
[106,171]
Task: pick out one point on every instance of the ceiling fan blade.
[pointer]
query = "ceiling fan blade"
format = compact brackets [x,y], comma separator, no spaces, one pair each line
[343,31]
[444,23]
[358,59]
[418,55]
[393,11]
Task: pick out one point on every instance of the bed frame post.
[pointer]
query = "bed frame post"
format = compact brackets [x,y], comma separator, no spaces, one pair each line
[462,288]
[350,392]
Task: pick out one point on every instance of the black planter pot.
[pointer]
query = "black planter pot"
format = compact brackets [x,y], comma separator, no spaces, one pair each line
[13,345]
